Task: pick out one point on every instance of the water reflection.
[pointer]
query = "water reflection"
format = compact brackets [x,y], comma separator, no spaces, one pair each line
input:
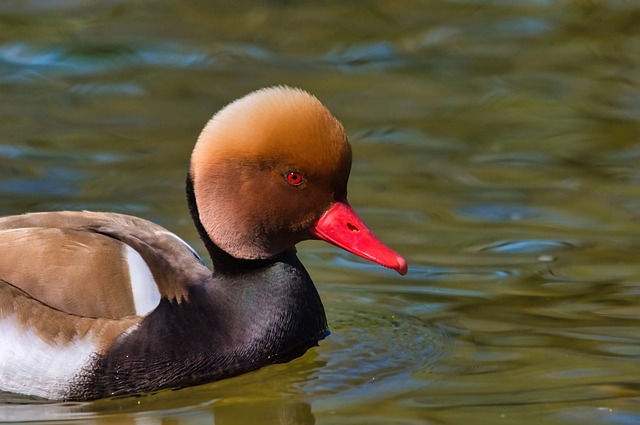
[274,412]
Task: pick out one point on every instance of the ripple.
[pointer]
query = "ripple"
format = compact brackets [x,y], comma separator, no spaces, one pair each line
[369,351]
[378,55]
[599,415]
[522,213]
[128,89]
[528,246]
[84,59]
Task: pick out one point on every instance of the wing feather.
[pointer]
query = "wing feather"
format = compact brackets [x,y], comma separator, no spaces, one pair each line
[99,265]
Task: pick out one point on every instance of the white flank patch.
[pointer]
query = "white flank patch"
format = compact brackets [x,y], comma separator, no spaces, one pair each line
[146,295]
[29,365]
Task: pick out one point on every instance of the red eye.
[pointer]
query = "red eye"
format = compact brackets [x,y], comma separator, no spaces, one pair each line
[294,178]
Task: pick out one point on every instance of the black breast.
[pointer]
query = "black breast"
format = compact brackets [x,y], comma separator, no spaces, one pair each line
[232,323]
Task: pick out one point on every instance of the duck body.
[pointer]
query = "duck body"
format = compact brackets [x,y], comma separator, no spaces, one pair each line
[230,331]
[96,305]
[234,341]
[206,326]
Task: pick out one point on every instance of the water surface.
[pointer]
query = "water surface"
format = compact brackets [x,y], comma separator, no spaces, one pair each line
[497,146]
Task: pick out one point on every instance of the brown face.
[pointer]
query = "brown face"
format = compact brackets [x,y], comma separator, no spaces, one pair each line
[265,168]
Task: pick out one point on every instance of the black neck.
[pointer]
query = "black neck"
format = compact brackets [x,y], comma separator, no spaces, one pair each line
[222,261]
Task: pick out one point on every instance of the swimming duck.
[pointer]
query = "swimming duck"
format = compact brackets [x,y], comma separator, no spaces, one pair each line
[95,304]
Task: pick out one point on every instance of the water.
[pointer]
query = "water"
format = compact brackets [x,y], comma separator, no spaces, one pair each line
[496,145]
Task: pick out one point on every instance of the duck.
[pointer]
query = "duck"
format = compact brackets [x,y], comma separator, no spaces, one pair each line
[98,304]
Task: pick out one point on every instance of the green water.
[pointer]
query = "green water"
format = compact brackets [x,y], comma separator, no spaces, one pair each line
[497,146]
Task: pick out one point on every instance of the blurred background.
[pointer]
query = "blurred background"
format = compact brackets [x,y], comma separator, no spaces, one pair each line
[496,146]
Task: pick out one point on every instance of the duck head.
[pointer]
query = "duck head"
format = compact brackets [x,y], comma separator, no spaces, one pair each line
[270,170]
